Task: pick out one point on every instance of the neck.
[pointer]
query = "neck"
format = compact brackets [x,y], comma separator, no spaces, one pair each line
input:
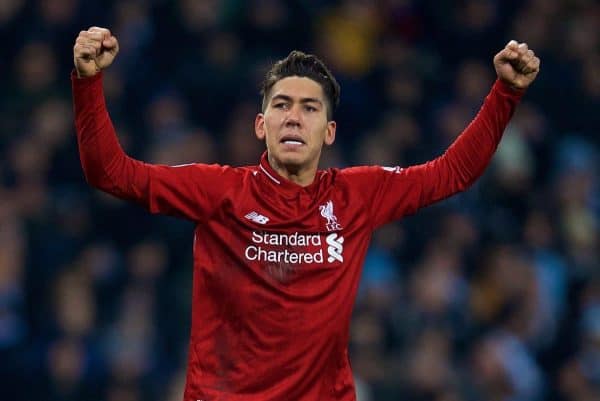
[303,176]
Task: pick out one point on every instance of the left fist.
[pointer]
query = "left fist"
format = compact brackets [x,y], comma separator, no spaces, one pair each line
[517,65]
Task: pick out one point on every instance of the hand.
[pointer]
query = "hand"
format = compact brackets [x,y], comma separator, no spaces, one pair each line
[517,65]
[94,50]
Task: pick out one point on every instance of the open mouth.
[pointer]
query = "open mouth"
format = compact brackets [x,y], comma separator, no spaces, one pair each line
[292,140]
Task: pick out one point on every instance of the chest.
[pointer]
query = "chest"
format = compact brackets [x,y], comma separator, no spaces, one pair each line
[288,240]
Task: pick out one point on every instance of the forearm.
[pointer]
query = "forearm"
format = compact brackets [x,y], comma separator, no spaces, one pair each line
[469,155]
[466,159]
[104,163]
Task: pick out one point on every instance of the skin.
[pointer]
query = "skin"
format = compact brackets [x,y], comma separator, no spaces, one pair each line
[296,109]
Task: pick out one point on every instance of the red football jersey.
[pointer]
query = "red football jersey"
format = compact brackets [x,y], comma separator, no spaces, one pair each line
[277,265]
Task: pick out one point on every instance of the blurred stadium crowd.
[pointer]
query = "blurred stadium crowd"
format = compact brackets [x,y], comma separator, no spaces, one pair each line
[492,295]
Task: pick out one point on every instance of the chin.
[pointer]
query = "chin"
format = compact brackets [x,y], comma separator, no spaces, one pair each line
[293,160]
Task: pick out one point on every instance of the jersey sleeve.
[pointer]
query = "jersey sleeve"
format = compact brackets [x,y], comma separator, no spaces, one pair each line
[190,191]
[392,192]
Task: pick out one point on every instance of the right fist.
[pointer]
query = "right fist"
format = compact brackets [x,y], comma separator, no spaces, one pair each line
[94,50]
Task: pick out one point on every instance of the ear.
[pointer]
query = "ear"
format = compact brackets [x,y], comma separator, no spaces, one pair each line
[330,133]
[259,127]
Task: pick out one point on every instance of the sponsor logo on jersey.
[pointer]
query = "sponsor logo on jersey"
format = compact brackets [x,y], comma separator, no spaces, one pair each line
[257,218]
[332,221]
[335,248]
[296,248]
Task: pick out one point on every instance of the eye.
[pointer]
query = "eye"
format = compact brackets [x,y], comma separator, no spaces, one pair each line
[310,109]
[281,105]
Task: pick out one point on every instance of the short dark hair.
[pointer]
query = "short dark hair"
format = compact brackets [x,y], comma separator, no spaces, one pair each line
[301,64]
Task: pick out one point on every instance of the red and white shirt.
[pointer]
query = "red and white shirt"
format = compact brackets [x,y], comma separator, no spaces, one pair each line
[277,265]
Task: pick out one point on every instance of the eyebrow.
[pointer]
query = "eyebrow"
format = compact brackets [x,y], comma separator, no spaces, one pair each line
[302,100]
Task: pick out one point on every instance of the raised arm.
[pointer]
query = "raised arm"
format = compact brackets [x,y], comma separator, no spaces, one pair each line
[189,191]
[466,159]
[399,191]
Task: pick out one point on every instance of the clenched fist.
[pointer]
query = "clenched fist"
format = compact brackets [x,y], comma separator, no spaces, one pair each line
[517,65]
[94,50]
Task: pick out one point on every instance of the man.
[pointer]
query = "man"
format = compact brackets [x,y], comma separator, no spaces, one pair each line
[278,247]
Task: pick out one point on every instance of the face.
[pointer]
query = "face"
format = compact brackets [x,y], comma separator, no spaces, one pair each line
[294,124]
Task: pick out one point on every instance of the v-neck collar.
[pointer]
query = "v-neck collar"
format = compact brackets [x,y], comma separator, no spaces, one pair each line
[285,185]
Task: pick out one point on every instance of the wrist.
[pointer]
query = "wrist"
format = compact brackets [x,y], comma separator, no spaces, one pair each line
[507,88]
[81,75]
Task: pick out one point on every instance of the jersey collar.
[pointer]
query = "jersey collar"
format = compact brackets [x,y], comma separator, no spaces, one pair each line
[283,183]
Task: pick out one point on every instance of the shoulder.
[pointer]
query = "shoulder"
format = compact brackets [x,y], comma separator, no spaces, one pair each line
[357,172]
[366,176]
[351,176]
[220,168]
[217,171]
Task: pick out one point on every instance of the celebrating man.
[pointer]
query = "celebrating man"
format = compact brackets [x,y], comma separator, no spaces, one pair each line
[279,246]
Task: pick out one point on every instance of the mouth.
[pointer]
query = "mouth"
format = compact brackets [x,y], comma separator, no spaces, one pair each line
[292,140]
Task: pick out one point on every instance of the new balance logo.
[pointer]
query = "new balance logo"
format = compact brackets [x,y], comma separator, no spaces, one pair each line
[335,248]
[257,218]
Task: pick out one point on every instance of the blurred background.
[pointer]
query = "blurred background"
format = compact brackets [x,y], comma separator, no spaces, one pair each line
[491,295]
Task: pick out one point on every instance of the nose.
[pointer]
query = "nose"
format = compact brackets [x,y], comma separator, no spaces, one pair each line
[294,117]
